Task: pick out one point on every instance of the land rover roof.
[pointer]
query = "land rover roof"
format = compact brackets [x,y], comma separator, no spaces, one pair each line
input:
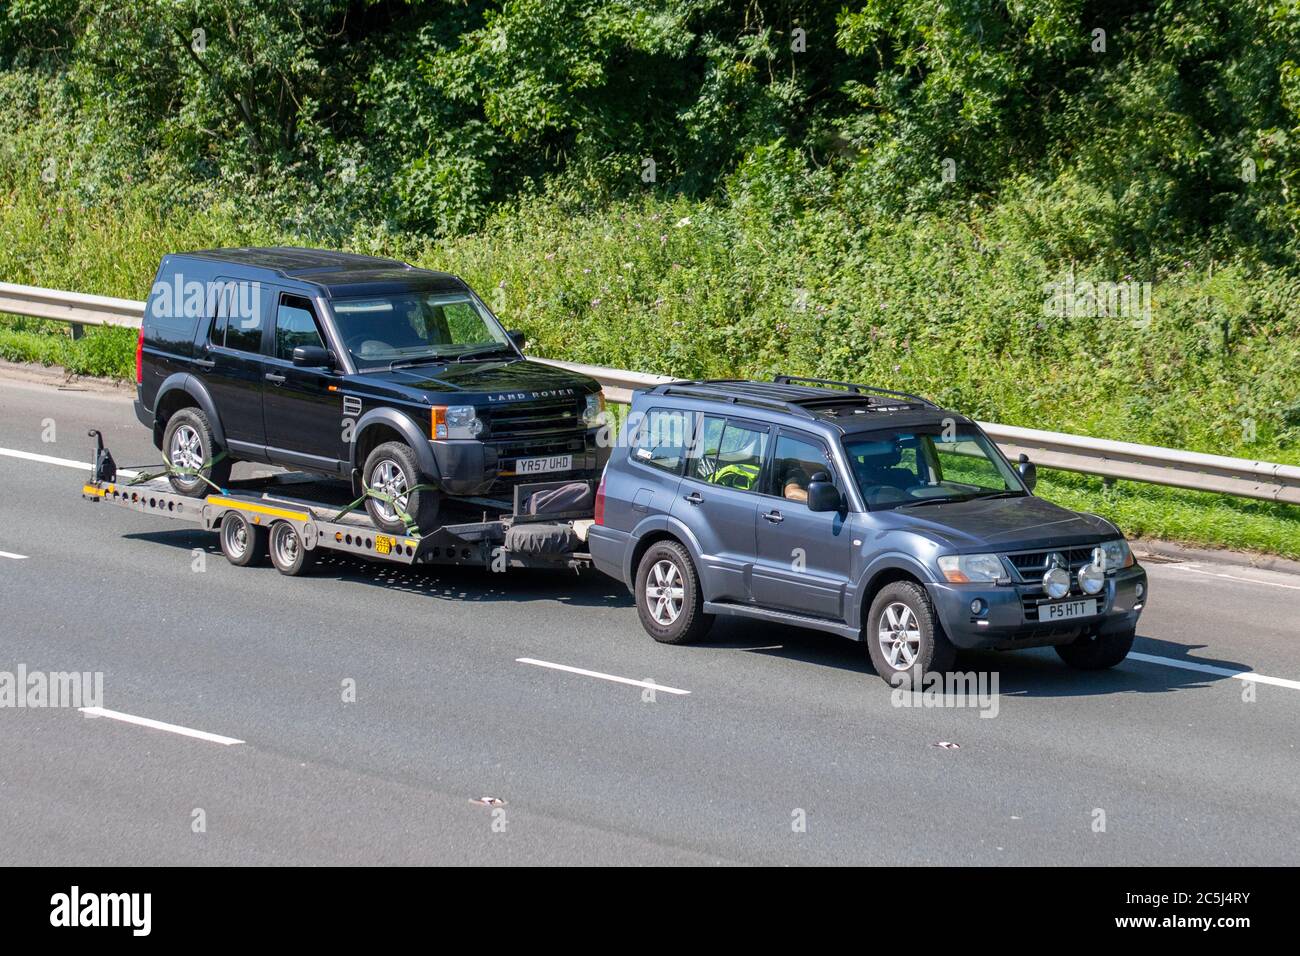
[337,274]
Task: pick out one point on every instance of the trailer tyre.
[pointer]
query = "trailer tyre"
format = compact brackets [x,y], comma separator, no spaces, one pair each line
[668,596]
[392,469]
[242,542]
[188,443]
[288,553]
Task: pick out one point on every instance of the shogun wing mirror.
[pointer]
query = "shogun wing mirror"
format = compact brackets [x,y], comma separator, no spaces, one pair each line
[822,495]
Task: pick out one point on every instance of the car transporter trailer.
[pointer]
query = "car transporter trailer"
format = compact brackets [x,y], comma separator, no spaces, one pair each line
[258,516]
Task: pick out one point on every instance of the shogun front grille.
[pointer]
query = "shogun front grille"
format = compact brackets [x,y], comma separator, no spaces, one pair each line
[1032,564]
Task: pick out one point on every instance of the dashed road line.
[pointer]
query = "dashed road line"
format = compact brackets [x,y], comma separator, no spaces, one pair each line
[649,685]
[1248,676]
[159,725]
[10,554]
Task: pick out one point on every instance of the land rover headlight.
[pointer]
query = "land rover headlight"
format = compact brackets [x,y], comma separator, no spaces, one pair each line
[593,413]
[1115,554]
[969,568]
[456,421]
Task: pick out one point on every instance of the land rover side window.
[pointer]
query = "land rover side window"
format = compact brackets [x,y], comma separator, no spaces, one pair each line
[295,325]
[663,437]
[794,463]
[729,454]
[239,319]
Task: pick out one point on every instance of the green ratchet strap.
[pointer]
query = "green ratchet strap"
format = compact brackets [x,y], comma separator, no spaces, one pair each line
[412,530]
[171,469]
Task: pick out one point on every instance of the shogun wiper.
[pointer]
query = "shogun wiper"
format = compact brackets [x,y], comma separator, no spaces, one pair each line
[933,501]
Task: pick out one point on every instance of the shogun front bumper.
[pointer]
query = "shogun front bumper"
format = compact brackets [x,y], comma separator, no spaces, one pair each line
[1009,618]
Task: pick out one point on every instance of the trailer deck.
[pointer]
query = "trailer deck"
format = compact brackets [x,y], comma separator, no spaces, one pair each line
[314,509]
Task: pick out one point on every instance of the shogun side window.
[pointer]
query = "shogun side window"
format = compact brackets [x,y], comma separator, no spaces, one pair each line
[663,437]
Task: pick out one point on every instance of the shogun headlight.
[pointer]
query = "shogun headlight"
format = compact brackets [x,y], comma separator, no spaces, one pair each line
[1116,554]
[456,421]
[969,568]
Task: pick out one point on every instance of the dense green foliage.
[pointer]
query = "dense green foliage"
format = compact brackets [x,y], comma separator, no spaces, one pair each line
[888,190]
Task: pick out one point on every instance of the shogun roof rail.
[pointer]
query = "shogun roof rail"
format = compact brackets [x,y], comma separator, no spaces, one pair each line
[700,389]
[853,387]
[789,394]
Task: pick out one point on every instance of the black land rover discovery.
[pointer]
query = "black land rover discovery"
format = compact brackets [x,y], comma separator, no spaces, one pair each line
[355,367]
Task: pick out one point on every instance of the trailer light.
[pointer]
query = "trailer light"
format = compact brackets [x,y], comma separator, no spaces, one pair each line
[598,513]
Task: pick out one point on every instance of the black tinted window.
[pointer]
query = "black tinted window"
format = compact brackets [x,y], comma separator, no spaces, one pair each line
[295,325]
[239,321]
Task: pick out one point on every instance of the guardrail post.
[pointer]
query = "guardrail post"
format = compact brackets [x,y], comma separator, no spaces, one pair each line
[78,330]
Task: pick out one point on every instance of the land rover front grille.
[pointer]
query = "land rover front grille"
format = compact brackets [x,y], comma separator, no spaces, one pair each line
[522,420]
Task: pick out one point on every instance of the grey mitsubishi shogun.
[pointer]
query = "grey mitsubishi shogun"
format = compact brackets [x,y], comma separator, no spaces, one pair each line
[868,513]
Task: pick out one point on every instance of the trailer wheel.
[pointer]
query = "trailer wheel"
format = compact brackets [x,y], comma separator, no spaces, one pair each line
[242,542]
[288,553]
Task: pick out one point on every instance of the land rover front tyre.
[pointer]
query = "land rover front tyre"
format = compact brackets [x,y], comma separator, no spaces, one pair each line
[392,471]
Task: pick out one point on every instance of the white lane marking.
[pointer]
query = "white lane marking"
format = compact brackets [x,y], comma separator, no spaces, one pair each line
[65,462]
[159,725]
[1232,577]
[1249,676]
[649,685]
[10,554]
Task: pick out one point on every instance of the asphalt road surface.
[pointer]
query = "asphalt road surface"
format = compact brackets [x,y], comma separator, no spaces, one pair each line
[785,750]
